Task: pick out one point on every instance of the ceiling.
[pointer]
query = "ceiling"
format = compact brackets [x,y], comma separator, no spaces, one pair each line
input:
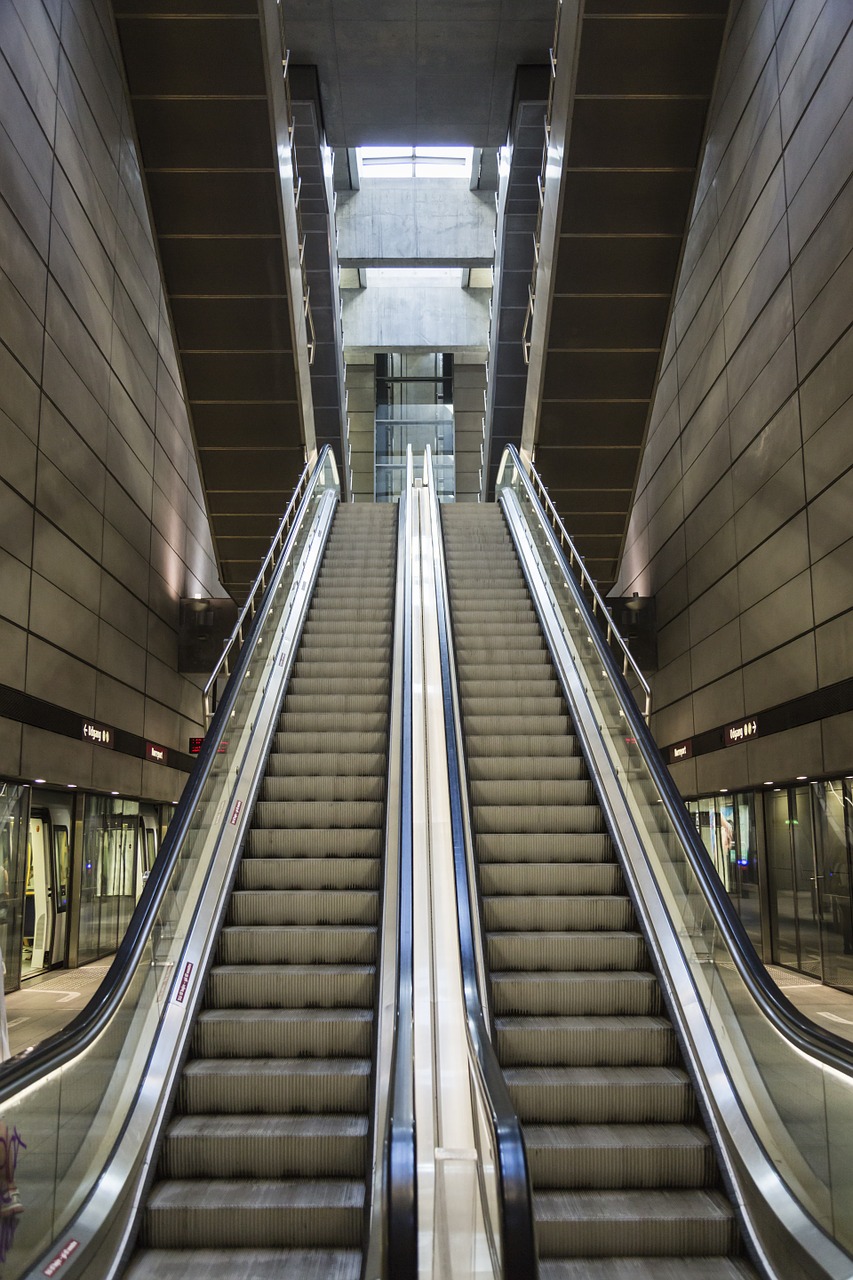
[418,72]
[401,72]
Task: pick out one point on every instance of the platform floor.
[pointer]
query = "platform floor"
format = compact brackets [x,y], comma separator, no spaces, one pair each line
[45,1004]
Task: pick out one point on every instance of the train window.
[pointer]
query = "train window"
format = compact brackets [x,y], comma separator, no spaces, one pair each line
[62,866]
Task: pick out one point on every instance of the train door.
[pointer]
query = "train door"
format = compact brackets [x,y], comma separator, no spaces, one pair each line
[38,905]
[147,843]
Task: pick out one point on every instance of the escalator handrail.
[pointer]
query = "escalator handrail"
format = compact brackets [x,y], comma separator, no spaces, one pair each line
[30,1066]
[806,1035]
[518,1243]
[401,1221]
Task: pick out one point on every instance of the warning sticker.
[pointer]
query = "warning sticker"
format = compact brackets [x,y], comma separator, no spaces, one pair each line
[184,983]
[61,1258]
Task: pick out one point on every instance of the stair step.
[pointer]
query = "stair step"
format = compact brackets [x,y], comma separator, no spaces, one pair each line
[252,1146]
[619,1156]
[294,986]
[309,873]
[585,1040]
[683,1268]
[591,846]
[645,1223]
[567,951]
[274,1085]
[318,787]
[320,814]
[283,1033]
[240,1213]
[303,906]
[245,1264]
[558,912]
[326,764]
[601,1095]
[297,944]
[314,842]
[549,878]
[576,994]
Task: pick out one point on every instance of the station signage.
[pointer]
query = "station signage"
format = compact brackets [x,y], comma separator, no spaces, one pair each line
[741,731]
[681,751]
[156,754]
[101,734]
[195,746]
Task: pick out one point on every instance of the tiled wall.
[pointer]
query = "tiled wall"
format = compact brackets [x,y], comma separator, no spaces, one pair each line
[102,521]
[741,525]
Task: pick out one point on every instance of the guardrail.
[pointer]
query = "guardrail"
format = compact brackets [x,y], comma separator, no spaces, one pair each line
[532,482]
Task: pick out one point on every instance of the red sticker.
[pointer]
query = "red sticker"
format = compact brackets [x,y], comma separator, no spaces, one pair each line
[184,983]
[61,1258]
[238,809]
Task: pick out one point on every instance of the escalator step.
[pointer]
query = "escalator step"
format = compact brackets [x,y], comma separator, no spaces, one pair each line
[585,1041]
[297,944]
[252,1146]
[558,912]
[550,878]
[246,1264]
[236,1213]
[566,951]
[303,906]
[275,1085]
[601,1095]
[651,1223]
[294,986]
[615,1156]
[576,993]
[283,1033]
[308,873]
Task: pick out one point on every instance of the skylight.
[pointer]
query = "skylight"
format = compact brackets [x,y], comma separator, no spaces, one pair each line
[399,277]
[414,162]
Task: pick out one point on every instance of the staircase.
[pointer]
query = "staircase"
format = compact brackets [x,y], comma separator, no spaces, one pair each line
[625,1179]
[263,1169]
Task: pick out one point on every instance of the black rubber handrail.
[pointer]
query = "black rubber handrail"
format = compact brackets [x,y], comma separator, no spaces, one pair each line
[26,1068]
[518,1242]
[827,1047]
[401,1211]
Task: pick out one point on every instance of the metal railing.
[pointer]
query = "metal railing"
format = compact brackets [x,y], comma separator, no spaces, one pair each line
[530,478]
[297,190]
[553,54]
[235,642]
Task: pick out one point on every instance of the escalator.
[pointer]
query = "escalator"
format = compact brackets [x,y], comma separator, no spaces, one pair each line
[625,1180]
[262,1171]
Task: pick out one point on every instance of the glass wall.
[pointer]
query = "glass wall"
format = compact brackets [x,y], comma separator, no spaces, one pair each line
[114,867]
[785,856]
[414,406]
[726,824]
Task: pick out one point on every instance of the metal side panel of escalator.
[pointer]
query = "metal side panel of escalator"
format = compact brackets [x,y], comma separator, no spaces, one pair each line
[625,1179]
[262,1171]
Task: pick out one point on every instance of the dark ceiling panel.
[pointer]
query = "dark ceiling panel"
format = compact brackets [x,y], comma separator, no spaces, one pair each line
[629,132]
[585,422]
[599,375]
[204,134]
[611,264]
[255,424]
[626,202]
[644,74]
[203,8]
[231,470]
[227,375]
[193,56]
[582,323]
[243,266]
[214,204]
[649,55]
[223,324]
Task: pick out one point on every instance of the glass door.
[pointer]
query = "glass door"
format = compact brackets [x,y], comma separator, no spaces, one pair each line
[832,830]
[794,882]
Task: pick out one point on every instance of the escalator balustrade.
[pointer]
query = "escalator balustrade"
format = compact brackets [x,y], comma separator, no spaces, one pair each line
[625,1179]
[263,1167]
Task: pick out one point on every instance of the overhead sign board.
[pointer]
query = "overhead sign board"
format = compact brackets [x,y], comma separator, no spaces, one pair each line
[156,754]
[741,731]
[101,734]
[681,751]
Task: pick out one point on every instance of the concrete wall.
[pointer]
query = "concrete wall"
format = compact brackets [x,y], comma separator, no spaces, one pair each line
[102,522]
[430,318]
[741,523]
[415,222]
